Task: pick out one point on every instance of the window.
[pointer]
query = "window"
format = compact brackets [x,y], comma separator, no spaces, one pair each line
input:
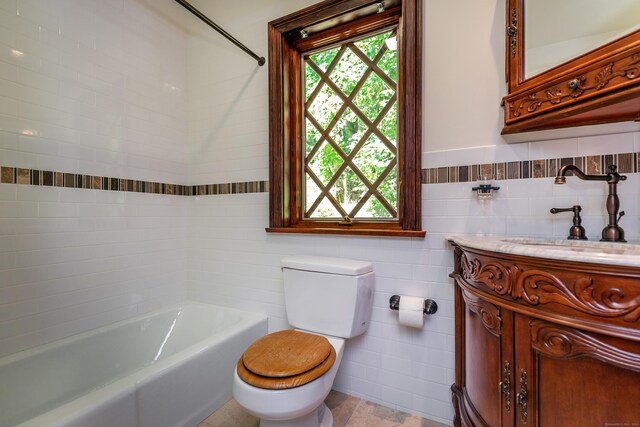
[351,115]
[345,120]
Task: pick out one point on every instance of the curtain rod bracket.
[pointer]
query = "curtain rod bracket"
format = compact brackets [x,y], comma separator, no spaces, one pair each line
[216,27]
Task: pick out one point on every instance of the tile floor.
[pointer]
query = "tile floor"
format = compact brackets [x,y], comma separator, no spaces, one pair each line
[348,411]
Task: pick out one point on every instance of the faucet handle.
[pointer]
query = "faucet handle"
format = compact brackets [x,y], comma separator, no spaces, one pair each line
[571,209]
[576,209]
[577,231]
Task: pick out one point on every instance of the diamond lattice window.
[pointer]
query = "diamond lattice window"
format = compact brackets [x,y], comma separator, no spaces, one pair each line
[345,119]
[351,131]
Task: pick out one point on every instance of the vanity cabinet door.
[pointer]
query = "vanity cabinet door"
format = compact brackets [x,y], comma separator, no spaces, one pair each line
[569,377]
[485,363]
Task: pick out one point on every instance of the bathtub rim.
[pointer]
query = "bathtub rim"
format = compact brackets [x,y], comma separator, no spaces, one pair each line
[125,386]
[5,360]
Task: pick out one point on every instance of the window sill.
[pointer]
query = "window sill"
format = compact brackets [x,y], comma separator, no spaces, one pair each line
[348,231]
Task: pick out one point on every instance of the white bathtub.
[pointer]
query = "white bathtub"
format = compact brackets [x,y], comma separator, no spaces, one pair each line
[172,367]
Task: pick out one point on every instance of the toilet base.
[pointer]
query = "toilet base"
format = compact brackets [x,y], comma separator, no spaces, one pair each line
[321,417]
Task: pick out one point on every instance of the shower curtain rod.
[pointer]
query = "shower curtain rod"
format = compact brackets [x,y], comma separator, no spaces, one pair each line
[216,27]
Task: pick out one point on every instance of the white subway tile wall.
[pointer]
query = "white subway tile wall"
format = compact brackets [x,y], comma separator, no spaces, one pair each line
[90,87]
[554,148]
[606,144]
[95,87]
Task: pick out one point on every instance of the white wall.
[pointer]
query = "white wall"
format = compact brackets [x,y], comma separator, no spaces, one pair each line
[463,73]
[99,88]
[228,104]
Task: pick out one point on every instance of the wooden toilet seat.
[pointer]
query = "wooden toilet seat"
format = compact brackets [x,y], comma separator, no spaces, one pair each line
[286,359]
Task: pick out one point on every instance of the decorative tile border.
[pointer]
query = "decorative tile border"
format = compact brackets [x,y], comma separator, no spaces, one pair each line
[525,169]
[230,188]
[11,175]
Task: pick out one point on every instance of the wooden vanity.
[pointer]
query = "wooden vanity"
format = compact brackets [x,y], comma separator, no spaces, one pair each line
[542,341]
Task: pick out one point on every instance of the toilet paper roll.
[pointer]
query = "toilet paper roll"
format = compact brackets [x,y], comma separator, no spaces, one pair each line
[411,311]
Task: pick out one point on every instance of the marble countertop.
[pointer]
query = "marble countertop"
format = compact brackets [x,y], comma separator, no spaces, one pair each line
[626,254]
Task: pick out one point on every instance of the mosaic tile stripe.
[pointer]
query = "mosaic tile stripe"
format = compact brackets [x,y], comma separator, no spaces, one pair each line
[230,188]
[11,175]
[525,169]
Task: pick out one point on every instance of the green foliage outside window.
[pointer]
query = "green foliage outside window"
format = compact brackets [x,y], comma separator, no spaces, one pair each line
[375,154]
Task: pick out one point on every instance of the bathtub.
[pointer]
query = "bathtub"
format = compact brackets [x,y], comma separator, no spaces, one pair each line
[172,367]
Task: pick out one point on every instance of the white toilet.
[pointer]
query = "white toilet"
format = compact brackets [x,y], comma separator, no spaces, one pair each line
[284,377]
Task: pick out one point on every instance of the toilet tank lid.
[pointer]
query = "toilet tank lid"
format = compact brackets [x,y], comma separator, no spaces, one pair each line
[348,267]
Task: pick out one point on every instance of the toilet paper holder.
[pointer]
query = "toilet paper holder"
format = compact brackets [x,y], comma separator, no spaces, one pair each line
[430,306]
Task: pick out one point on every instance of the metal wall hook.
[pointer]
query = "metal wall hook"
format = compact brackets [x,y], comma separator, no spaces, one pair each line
[430,306]
[485,189]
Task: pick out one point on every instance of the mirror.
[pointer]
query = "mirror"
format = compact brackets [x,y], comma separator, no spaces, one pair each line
[571,63]
[557,31]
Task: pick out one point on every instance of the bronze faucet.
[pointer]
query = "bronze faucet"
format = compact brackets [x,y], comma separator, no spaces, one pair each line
[612,232]
[576,232]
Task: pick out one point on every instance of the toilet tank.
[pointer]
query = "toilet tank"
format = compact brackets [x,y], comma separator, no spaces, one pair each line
[331,296]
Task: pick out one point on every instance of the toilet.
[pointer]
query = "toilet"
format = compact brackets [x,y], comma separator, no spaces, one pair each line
[284,377]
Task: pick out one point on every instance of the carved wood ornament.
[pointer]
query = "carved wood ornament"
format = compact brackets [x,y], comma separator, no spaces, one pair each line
[541,287]
[493,274]
[567,343]
[489,313]
[512,32]
[584,84]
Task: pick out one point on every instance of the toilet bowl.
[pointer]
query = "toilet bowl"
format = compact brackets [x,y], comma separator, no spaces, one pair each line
[284,377]
[301,406]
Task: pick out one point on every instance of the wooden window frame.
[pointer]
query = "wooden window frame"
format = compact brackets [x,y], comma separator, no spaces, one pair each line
[326,23]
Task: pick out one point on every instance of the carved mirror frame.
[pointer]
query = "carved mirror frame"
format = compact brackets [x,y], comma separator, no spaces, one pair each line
[600,86]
